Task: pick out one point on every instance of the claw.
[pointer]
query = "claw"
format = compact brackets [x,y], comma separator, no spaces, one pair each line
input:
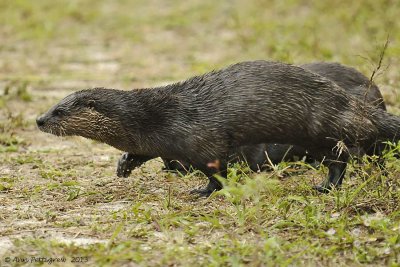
[322,189]
[124,167]
[213,185]
[202,192]
[129,162]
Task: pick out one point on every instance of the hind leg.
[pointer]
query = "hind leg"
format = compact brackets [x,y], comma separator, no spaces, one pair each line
[213,185]
[377,150]
[334,179]
[211,170]
[337,169]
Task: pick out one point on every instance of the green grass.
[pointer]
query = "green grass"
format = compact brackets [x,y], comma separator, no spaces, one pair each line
[60,196]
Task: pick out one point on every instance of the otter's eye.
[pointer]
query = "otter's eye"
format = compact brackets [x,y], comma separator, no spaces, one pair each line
[91,103]
[57,112]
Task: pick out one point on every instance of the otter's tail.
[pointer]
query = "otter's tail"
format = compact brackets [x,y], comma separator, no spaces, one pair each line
[388,125]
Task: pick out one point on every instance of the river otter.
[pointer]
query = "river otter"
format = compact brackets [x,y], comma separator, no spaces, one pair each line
[206,117]
[346,77]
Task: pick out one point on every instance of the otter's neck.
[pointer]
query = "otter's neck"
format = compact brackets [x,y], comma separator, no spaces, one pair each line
[148,120]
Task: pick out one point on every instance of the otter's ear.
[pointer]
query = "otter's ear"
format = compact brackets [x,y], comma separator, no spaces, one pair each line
[91,103]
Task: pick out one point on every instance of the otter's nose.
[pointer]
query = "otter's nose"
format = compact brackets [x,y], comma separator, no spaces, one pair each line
[40,121]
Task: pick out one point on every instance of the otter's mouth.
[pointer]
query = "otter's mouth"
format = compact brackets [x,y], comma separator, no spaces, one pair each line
[51,128]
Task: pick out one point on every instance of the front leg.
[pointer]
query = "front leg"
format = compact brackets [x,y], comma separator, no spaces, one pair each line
[128,162]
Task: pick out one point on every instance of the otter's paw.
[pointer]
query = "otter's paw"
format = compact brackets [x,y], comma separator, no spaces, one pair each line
[322,189]
[125,165]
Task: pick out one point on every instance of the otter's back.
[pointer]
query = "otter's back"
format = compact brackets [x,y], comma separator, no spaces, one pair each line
[271,98]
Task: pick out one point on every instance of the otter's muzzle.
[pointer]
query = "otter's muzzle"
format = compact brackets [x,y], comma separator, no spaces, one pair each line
[40,121]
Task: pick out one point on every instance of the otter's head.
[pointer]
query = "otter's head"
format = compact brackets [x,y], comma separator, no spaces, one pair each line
[89,113]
